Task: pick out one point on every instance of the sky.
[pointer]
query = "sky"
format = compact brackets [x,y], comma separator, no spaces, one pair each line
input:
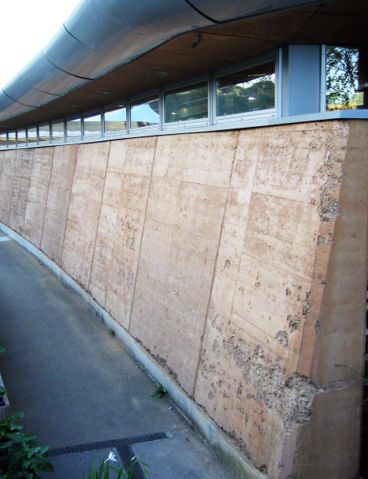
[26,28]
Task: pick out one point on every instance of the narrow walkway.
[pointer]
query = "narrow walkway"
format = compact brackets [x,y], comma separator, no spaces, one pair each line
[76,384]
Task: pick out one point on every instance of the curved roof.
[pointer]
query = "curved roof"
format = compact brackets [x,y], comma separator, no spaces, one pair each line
[111,49]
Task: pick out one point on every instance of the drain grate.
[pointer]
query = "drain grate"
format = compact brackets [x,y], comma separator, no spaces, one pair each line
[116,443]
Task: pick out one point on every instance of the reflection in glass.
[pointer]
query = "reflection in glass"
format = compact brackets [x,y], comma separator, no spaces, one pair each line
[31,135]
[74,129]
[115,121]
[21,137]
[58,132]
[188,104]
[11,138]
[92,126]
[144,114]
[2,139]
[250,90]
[44,133]
[346,78]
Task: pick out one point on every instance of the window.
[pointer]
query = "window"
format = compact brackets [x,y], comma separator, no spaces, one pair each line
[115,121]
[246,91]
[92,126]
[74,129]
[3,141]
[21,137]
[58,134]
[346,78]
[44,133]
[145,113]
[187,104]
[11,138]
[31,135]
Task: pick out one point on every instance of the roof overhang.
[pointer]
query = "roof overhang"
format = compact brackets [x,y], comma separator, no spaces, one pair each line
[126,48]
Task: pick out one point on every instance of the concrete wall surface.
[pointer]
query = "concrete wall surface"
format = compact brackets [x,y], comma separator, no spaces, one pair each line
[237,259]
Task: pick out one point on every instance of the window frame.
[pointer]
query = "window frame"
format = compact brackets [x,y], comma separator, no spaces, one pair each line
[139,100]
[109,109]
[259,60]
[182,86]
[52,139]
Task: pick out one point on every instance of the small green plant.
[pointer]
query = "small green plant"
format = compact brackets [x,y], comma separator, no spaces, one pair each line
[104,469]
[159,391]
[20,456]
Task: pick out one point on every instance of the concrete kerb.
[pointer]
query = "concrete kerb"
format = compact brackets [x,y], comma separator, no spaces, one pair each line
[187,407]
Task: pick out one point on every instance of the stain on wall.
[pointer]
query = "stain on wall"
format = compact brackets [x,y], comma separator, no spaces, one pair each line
[6,183]
[84,211]
[21,181]
[37,195]
[180,240]
[120,226]
[58,198]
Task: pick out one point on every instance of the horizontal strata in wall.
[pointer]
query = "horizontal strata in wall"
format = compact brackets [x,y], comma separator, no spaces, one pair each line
[246,248]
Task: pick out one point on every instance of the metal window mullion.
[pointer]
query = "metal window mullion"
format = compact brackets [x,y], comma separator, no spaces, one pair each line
[279,83]
[161,109]
[323,79]
[211,99]
[102,125]
[128,110]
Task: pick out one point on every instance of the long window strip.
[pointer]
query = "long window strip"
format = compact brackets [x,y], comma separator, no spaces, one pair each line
[232,98]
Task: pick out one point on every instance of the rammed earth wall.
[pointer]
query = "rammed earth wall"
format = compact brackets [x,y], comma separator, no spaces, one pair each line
[237,259]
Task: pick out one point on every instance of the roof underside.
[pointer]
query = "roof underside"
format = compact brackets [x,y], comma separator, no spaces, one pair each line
[85,72]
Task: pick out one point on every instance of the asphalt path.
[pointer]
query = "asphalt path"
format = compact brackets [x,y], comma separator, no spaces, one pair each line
[77,385]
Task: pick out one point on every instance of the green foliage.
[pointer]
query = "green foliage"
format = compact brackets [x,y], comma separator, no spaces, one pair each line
[159,391]
[342,77]
[20,456]
[104,469]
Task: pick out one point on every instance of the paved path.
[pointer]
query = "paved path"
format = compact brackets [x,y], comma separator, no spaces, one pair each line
[76,384]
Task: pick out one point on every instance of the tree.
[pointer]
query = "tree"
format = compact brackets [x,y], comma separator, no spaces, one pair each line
[342,77]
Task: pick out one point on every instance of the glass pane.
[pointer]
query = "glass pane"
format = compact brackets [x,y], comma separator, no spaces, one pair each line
[2,139]
[188,104]
[115,121]
[74,129]
[11,138]
[32,135]
[145,114]
[44,133]
[21,137]
[346,78]
[58,132]
[92,126]
[249,90]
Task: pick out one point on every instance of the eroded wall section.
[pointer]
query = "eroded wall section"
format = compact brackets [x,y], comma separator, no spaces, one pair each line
[237,259]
